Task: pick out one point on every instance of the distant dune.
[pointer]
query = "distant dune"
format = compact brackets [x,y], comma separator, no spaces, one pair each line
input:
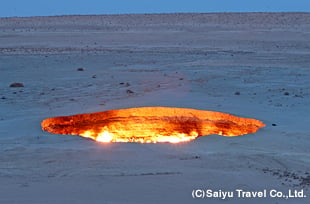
[99,33]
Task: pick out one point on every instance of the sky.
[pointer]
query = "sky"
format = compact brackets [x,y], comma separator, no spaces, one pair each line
[10,8]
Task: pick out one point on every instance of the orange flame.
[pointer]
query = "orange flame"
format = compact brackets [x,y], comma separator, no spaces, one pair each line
[151,125]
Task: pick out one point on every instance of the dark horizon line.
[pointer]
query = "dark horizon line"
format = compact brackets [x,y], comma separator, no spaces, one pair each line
[164,13]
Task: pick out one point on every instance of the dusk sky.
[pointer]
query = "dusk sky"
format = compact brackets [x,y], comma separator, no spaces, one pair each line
[66,7]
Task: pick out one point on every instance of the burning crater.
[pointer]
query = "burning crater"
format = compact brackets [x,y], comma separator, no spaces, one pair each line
[151,125]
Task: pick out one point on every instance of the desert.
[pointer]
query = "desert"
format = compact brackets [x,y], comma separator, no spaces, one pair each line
[253,65]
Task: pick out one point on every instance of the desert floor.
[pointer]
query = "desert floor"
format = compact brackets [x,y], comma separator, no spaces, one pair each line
[254,65]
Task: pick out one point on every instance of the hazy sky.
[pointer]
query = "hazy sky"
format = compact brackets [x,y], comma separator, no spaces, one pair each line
[66,7]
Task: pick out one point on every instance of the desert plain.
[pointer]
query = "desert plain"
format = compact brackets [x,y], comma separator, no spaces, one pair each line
[254,65]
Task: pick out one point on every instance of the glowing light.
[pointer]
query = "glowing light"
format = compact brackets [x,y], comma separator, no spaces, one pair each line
[151,125]
[104,136]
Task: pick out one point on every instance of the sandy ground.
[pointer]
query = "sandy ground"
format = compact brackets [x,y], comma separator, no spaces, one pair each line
[251,65]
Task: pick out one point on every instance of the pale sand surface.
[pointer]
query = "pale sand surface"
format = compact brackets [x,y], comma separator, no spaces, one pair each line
[184,60]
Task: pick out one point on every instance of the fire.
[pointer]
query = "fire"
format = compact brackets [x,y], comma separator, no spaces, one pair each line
[118,136]
[151,125]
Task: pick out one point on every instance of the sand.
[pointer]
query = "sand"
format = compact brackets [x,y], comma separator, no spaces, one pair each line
[252,65]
